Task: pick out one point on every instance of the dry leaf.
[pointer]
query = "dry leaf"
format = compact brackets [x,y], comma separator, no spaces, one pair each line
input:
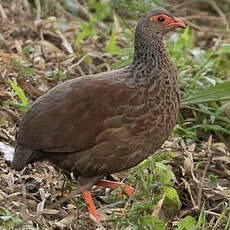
[158,206]
[7,151]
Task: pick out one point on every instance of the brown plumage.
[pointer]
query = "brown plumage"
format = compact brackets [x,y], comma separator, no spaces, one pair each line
[104,123]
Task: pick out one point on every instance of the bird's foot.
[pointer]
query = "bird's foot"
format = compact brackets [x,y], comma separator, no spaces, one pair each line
[126,189]
[91,207]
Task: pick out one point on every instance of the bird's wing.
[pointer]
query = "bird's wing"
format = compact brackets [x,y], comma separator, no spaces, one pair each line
[70,116]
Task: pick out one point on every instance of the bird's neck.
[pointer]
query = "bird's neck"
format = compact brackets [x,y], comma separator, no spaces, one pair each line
[150,55]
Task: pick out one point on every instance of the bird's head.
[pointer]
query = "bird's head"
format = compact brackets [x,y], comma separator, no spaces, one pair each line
[158,22]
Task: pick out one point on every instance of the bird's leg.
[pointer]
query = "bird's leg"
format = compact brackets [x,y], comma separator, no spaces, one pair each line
[126,189]
[91,207]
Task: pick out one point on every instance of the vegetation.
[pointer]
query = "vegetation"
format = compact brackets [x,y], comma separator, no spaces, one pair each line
[7,220]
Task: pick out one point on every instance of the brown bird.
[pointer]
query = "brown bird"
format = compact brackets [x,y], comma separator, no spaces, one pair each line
[100,124]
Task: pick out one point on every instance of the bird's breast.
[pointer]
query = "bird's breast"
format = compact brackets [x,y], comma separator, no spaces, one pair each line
[153,111]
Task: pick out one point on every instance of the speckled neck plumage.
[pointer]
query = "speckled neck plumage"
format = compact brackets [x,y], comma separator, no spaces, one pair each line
[150,56]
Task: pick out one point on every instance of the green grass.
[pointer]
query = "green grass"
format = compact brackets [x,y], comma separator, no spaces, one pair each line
[202,75]
[23,104]
[8,220]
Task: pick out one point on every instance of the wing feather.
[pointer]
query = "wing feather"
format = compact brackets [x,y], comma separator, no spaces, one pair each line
[69,117]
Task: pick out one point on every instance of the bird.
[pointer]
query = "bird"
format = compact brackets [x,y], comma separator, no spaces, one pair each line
[96,125]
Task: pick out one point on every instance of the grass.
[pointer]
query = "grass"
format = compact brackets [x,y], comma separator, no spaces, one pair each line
[152,180]
[202,83]
[23,104]
[8,220]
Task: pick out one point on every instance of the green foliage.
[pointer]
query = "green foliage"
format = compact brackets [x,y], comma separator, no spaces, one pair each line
[187,223]
[152,223]
[202,219]
[19,64]
[27,72]
[212,179]
[212,93]
[27,49]
[197,68]
[111,47]
[24,101]
[172,199]
[201,74]
[125,53]
[152,180]
[101,11]
[163,156]
[87,31]
[23,67]
[14,62]
[8,220]
[56,74]
[90,29]
[225,213]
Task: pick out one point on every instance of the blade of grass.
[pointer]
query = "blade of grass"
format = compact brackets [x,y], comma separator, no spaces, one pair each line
[19,92]
[219,92]
[24,105]
[111,47]
[221,217]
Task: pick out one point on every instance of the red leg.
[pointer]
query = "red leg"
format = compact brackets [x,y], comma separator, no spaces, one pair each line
[91,206]
[128,190]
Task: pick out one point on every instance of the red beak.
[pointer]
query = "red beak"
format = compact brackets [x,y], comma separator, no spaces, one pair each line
[176,22]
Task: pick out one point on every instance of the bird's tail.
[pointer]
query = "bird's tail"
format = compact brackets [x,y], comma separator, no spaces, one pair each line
[22,156]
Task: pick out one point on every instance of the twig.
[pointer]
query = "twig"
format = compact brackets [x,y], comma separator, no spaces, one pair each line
[65,43]
[158,206]
[192,24]
[66,13]
[221,14]
[79,61]
[221,137]
[13,5]
[213,5]
[81,11]
[81,71]
[186,212]
[182,5]
[2,13]
[38,6]
[212,213]
[187,186]
[205,171]
[27,7]
[200,16]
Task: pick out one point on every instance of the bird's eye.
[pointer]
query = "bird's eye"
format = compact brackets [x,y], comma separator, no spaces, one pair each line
[161,19]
